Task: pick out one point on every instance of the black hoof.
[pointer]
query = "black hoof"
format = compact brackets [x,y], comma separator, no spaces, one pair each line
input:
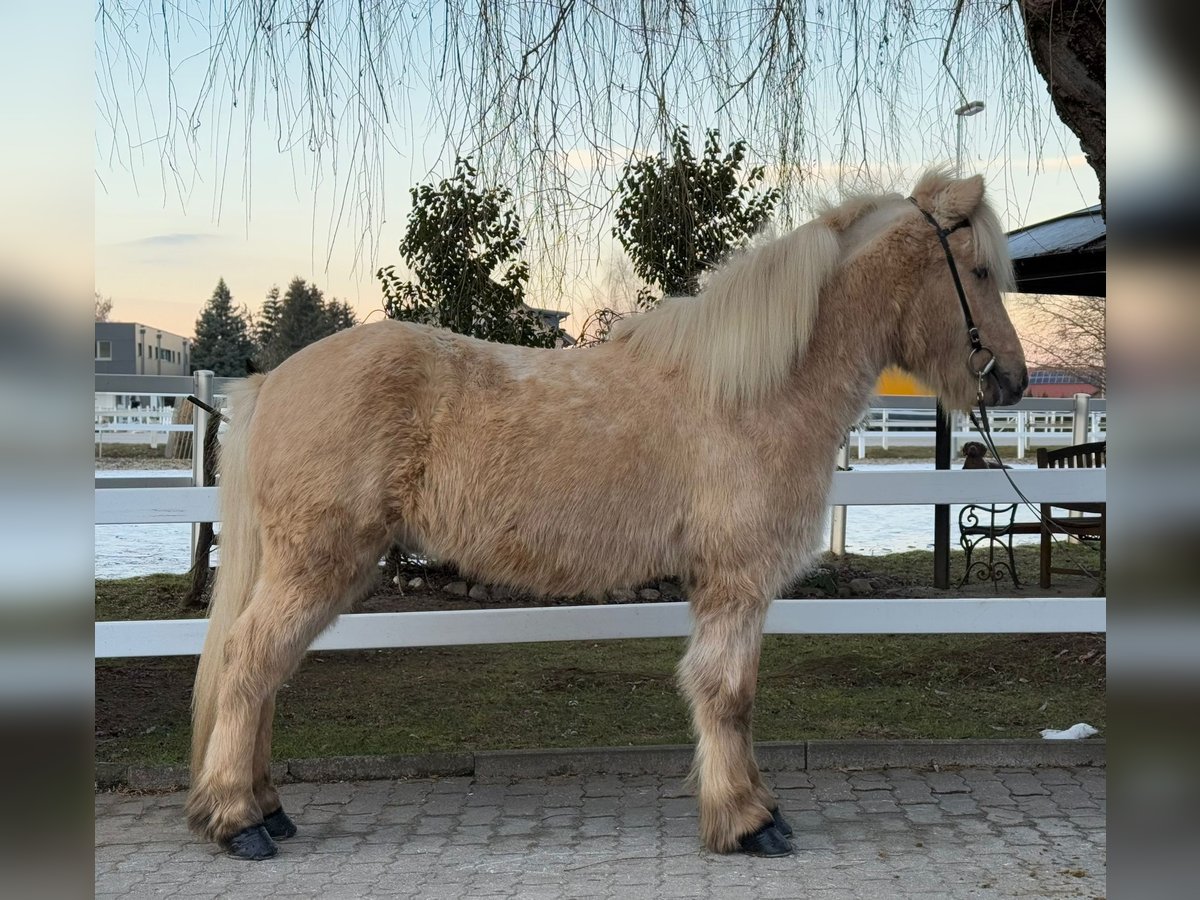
[252,843]
[279,826]
[780,822]
[767,841]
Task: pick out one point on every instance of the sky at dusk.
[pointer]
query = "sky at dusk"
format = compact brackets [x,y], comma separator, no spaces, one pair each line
[259,217]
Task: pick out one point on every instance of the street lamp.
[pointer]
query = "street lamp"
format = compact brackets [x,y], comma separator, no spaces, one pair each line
[970,108]
[943,430]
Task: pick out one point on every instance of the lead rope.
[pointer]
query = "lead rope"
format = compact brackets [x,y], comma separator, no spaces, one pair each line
[983,427]
[977,347]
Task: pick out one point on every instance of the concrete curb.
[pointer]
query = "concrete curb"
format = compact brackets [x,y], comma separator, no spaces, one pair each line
[666,760]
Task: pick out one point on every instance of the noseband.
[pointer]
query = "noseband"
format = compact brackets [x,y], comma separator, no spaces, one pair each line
[977,346]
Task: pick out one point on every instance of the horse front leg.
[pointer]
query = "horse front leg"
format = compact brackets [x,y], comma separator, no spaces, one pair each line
[718,675]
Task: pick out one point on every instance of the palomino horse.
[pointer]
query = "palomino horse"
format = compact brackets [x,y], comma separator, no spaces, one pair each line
[698,441]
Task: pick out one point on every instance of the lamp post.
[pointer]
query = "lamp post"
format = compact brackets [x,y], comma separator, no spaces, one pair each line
[943,433]
[970,108]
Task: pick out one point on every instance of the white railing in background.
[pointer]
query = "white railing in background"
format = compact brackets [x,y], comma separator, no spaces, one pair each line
[165,499]
[910,422]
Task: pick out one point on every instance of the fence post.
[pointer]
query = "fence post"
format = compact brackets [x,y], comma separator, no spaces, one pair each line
[1022,437]
[884,429]
[941,511]
[202,387]
[837,530]
[1079,423]
[1079,435]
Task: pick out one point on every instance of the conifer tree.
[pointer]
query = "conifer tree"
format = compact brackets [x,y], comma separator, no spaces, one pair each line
[268,317]
[301,318]
[222,342]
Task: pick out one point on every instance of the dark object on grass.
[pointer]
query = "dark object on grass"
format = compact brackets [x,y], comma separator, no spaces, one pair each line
[976,457]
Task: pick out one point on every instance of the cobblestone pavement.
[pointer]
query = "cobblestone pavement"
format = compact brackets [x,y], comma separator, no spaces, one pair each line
[900,833]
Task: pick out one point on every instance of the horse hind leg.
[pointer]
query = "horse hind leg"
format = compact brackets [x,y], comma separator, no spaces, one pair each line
[290,606]
[277,822]
[718,676]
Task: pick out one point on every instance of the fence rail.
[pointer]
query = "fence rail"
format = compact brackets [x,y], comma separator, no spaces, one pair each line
[359,631]
[126,500]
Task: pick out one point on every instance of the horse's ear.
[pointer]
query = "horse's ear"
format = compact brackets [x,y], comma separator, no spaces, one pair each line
[958,199]
[948,199]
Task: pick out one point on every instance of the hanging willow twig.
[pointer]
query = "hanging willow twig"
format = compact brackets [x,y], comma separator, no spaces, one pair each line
[550,98]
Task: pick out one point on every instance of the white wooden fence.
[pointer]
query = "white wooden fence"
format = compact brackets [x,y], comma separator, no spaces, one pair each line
[646,620]
[165,500]
[911,422]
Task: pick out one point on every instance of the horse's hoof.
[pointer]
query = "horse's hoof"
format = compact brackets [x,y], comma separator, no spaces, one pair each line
[252,843]
[767,841]
[279,826]
[780,822]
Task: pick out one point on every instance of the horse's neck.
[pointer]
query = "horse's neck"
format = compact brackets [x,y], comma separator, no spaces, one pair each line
[851,345]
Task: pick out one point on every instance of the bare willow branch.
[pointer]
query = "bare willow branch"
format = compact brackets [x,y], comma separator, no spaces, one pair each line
[548,97]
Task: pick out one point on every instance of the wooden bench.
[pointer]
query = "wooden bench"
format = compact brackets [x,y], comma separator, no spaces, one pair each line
[1090,526]
[997,525]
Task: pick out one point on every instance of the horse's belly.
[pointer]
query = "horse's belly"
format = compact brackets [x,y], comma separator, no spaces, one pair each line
[556,552]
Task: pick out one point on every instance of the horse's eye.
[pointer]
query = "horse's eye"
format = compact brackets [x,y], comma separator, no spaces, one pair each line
[980,272]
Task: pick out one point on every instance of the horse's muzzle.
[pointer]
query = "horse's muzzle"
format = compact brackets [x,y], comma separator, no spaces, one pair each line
[1009,387]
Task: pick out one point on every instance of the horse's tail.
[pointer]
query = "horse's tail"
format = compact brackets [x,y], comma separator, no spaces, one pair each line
[240,551]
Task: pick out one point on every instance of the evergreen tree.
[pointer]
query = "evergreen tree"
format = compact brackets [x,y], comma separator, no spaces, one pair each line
[222,341]
[339,315]
[301,318]
[680,216]
[268,318]
[459,235]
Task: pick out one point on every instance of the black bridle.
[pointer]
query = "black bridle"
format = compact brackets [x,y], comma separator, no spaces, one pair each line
[982,425]
[977,347]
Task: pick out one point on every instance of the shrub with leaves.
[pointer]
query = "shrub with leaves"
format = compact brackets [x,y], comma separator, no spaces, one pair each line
[680,216]
[462,244]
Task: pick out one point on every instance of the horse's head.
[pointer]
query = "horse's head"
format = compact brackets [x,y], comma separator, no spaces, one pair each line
[933,338]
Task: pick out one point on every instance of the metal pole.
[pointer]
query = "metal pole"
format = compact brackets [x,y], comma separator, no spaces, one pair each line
[941,511]
[1079,435]
[202,387]
[1079,430]
[837,531]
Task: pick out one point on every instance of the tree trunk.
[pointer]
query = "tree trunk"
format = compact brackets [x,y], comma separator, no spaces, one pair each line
[1067,39]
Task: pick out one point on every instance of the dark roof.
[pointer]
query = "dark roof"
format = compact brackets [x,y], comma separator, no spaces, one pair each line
[1064,255]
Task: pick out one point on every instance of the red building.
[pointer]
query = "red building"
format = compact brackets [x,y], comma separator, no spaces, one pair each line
[1050,382]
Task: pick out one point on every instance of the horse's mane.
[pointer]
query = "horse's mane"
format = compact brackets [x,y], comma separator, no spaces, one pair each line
[738,340]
